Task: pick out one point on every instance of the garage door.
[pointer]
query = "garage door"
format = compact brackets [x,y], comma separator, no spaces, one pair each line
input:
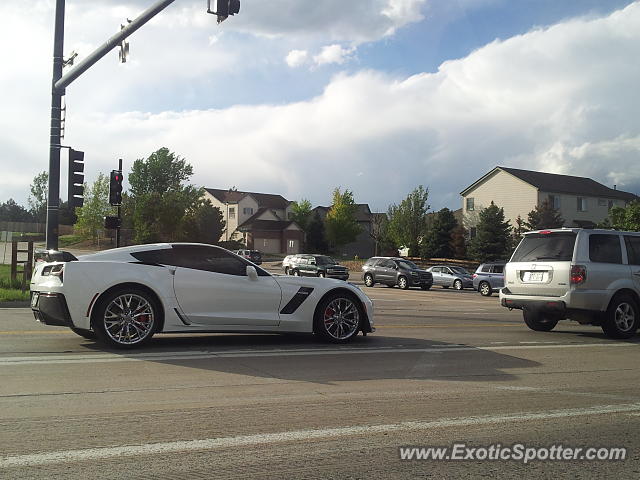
[267,245]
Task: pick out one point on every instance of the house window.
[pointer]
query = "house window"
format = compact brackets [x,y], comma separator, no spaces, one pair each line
[232,212]
[264,242]
[470,205]
[610,204]
[554,201]
[602,202]
[247,211]
[582,204]
[292,243]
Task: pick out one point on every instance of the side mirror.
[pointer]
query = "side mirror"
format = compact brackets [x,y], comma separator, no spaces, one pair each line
[252,273]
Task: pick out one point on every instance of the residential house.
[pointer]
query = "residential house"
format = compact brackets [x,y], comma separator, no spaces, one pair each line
[261,221]
[364,245]
[581,201]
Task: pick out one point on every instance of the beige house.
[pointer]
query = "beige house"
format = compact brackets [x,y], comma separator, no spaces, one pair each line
[582,202]
[262,221]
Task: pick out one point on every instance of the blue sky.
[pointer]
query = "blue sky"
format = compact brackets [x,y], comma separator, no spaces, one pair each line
[377,96]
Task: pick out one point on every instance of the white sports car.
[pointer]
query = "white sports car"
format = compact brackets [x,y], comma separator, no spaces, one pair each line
[125,295]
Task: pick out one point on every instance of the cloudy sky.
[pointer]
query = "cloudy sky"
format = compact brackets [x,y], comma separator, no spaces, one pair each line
[297,97]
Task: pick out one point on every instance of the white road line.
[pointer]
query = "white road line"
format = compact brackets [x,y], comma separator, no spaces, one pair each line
[134,357]
[299,435]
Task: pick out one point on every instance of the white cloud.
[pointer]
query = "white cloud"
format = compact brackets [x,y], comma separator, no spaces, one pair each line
[296,58]
[333,54]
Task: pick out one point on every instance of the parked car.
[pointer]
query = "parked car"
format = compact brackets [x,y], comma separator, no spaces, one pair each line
[252,255]
[318,266]
[592,276]
[395,271]
[122,297]
[489,278]
[287,262]
[451,276]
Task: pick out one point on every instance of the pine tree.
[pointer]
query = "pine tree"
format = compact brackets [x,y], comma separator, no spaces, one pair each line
[459,242]
[544,216]
[492,235]
[316,239]
[437,241]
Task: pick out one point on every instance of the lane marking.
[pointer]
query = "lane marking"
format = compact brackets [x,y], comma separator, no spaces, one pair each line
[198,355]
[47,458]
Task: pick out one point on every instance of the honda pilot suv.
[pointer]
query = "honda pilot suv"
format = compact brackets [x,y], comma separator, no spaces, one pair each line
[592,276]
[395,271]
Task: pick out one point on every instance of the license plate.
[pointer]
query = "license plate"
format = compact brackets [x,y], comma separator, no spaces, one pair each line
[34,299]
[533,276]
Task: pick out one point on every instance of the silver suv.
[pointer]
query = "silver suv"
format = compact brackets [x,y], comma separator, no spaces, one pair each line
[592,276]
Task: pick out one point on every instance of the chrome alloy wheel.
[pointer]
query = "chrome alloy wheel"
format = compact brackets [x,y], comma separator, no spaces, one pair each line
[625,317]
[129,319]
[341,318]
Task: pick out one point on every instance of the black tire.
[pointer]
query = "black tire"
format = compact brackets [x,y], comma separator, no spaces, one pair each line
[148,322]
[403,283]
[327,318]
[286,270]
[457,284]
[485,289]
[425,287]
[296,273]
[368,280]
[88,334]
[622,318]
[537,321]
[321,274]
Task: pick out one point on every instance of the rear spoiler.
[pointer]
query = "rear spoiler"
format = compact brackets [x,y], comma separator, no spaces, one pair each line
[54,256]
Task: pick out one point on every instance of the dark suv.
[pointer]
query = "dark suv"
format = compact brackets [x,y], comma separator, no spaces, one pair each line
[395,271]
[317,266]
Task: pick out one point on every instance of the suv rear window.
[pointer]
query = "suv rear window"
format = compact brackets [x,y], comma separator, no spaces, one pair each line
[545,246]
[605,248]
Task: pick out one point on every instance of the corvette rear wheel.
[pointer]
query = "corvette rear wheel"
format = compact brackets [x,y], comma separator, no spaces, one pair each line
[127,318]
[338,317]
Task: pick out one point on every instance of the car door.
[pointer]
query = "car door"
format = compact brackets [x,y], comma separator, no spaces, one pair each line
[302,265]
[447,276]
[633,254]
[437,275]
[212,288]
[385,271]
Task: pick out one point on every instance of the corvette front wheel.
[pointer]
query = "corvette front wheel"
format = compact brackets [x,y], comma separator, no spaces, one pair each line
[126,318]
[337,318]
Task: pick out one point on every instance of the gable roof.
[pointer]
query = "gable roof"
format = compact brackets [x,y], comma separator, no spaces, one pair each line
[553,182]
[265,200]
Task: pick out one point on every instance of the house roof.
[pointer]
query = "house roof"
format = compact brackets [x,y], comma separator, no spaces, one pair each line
[269,225]
[553,182]
[266,200]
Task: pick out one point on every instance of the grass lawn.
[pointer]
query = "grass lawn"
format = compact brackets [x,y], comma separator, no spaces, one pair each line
[10,292]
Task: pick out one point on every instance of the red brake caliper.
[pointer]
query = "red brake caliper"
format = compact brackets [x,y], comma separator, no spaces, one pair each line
[328,314]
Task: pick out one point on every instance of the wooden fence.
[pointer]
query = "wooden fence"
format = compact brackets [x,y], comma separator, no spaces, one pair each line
[25,227]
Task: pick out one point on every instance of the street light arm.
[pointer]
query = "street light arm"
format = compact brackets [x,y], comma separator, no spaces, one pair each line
[110,44]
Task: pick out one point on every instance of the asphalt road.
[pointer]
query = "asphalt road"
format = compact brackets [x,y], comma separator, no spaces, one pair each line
[444,367]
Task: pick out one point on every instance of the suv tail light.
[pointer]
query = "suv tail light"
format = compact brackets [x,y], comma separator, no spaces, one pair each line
[474,275]
[578,274]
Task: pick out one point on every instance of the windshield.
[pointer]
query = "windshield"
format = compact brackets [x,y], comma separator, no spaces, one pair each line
[460,270]
[407,264]
[324,260]
[545,246]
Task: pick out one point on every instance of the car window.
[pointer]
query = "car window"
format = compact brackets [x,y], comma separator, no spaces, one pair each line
[460,270]
[387,264]
[498,269]
[209,259]
[446,270]
[633,249]
[152,256]
[486,268]
[605,248]
[556,246]
[406,264]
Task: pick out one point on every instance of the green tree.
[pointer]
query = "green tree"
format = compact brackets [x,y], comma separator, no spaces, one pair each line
[436,243]
[626,218]
[544,216]
[492,235]
[301,213]
[407,221]
[316,237]
[340,223]
[459,242]
[96,207]
[204,223]
[10,211]
[38,197]
[160,197]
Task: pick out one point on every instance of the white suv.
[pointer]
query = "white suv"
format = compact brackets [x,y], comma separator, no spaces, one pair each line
[592,276]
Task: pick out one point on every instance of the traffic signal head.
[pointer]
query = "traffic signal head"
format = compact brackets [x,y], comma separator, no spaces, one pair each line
[76,178]
[115,188]
[223,8]
[112,223]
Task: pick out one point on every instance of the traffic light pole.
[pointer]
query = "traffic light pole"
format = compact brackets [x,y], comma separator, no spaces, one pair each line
[119,207]
[53,197]
[59,84]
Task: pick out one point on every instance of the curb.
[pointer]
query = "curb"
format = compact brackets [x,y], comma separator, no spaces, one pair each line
[19,304]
